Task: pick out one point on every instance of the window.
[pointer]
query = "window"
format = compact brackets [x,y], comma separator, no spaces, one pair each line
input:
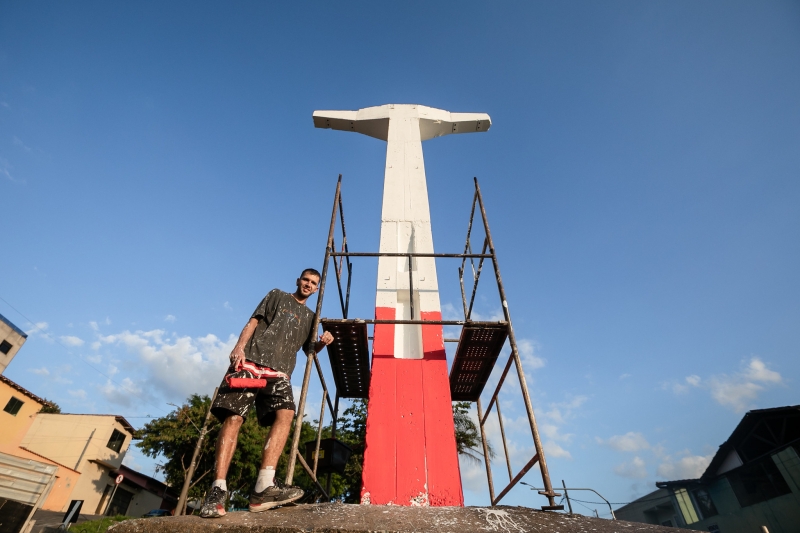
[13,406]
[686,506]
[5,347]
[758,482]
[704,502]
[116,441]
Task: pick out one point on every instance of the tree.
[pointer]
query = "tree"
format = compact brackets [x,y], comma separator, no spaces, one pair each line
[175,435]
[50,407]
[468,439]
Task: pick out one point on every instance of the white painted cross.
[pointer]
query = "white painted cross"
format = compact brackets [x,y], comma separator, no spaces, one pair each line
[405,217]
[410,456]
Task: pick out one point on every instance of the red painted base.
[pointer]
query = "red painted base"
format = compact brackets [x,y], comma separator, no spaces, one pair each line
[410,456]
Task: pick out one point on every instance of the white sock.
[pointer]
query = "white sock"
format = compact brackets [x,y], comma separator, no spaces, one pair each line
[266,478]
[221,484]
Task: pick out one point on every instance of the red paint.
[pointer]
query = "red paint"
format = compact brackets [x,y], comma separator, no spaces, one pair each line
[444,475]
[410,433]
[410,419]
[380,473]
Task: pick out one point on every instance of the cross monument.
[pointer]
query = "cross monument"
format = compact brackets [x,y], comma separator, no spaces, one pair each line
[410,456]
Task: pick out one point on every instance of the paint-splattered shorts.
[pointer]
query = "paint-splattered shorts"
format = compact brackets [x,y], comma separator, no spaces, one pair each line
[275,396]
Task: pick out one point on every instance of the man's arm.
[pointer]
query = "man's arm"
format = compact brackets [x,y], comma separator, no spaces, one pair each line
[323,341]
[237,354]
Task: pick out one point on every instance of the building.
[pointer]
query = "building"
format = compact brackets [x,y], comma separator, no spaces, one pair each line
[87,449]
[20,409]
[93,445]
[139,494]
[752,481]
[11,340]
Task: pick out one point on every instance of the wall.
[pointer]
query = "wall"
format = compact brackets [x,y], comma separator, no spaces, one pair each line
[79,442]
[143,502]
[13,335]
[13,427]
[12,431]
[780,515]
[74,440]
[653,508]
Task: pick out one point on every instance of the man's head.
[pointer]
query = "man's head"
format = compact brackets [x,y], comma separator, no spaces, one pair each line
[307,284]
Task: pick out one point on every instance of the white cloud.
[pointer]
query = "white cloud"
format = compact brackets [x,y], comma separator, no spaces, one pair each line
[170,318]
[227,306]
[126,393]
[693,380]
[560,412]
[40,371]
[686,467]
[5,171]
[79,393]
[624,376]
[527,351]
[171,367]
[635,469]
[71,340]
[553,432]
[94,325]
[40,329]
[552,449]
[473,475]
[18,142]
[740,390]
[629,442]
[737,391]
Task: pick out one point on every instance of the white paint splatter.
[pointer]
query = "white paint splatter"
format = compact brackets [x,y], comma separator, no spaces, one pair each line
[500,520]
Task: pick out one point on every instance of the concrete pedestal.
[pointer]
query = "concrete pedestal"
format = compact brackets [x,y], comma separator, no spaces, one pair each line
[343,518]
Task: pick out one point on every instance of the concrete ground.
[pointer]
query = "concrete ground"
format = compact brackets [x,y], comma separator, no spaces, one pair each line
[344,518]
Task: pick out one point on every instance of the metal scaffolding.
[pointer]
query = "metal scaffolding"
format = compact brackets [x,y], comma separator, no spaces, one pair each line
[478,348]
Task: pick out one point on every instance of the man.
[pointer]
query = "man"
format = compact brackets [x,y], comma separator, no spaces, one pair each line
[267,349]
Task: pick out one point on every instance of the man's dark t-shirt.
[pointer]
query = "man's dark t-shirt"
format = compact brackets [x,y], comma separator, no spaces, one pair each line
[283,327]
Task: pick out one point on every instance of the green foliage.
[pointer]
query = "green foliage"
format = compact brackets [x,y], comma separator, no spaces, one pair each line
[50,408]
[351,430]
[97,526]
[468,439]
[174,437]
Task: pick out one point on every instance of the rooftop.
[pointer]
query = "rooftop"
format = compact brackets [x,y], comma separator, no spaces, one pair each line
[21,389]
[14,327]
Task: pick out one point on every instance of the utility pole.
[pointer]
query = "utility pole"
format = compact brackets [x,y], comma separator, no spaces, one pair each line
[190,473]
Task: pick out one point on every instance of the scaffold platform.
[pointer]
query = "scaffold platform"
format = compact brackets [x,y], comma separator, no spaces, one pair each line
[349,357]
[477,352]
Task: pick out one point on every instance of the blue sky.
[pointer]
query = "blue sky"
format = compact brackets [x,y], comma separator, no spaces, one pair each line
[159,173]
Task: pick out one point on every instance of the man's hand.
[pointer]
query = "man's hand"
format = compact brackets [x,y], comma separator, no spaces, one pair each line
[237,357]
[323,341]
[237,354]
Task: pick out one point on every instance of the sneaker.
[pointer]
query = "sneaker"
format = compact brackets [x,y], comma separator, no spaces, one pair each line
[214,506]
[274,496]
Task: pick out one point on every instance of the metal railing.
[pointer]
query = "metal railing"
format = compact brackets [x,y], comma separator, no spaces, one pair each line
[344,300]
